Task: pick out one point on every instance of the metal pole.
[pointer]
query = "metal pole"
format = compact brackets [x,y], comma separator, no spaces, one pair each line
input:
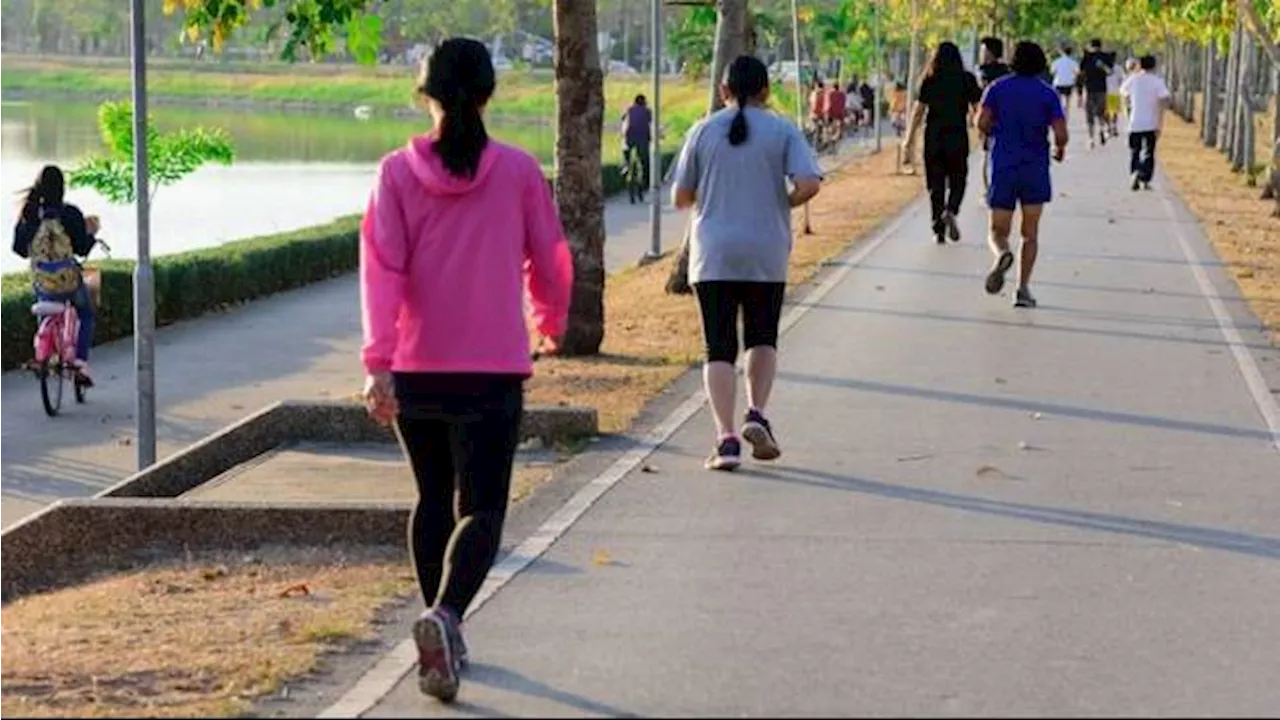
[878,85]
[144,317]
[655,139]
[795,38]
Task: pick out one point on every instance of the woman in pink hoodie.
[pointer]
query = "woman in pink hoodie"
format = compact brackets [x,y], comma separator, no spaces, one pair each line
[457,225]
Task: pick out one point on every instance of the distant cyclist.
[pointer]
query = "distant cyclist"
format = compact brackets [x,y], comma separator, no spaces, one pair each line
[52,233]
[637,134]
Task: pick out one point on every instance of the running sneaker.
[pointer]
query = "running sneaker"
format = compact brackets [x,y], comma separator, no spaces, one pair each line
[1024,299]
[1136,182]
[953,227]
[995,278]
[437,668]
[727,455]
[461,654]
[757,431]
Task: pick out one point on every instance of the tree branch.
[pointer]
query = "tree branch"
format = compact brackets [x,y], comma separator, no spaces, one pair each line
[1258,27]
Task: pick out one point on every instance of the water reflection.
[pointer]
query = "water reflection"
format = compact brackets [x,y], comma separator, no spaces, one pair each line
[291,170]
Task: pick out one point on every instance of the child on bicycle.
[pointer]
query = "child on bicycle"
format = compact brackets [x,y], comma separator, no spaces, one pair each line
[52,233]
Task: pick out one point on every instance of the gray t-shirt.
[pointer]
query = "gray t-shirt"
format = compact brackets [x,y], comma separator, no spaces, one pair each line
[742,220]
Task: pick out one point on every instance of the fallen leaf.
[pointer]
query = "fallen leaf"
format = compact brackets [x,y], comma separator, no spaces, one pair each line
[1036,415]
[298,590]
[601,558]
[989,470]
[648,469]
[1001,381]
[214,573]
[913,458]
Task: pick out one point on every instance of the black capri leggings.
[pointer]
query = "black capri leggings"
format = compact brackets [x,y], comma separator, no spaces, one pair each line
[460,432]
[720,302]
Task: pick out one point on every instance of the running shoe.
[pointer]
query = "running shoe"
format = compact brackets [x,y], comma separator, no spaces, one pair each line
[757,431]
[437,668]
[1136,182]
[995,278]
[953,227]
[1024,299]
[727,455]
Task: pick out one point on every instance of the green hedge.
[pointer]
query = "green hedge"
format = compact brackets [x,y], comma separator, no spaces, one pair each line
[192,283]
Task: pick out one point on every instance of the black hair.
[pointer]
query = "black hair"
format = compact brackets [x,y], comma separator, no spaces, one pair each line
[459,75]
[746,78]
[1147,62]
[1066,50]
[1029,60]
[47,191]
[640,99]
[1095,44]
[946,60]
[994,45]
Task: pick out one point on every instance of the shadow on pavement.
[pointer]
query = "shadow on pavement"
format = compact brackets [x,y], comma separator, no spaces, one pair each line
[1047,408]
[509,680]
[1209,538]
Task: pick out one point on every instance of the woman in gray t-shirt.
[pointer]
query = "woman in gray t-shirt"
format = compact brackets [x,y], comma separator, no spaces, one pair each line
[733,172]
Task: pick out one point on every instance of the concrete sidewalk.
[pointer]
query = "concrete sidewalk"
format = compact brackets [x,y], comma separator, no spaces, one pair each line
[980,511]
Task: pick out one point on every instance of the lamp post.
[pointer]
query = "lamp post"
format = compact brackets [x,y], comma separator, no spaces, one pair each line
[144,316]
[655,135]
[795,39]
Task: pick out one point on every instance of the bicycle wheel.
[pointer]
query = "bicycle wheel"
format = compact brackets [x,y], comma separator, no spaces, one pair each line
[51,386]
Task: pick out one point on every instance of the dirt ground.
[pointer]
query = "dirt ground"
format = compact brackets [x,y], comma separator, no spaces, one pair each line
[198,637]
[652,337]
[1239,225]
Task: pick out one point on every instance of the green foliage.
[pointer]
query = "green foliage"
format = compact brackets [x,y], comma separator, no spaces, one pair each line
[310,24]
[170,156]
[694,39]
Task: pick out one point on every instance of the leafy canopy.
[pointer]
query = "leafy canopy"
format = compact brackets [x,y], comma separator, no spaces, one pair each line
[170,156]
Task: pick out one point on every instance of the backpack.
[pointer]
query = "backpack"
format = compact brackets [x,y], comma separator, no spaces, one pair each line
[54,270]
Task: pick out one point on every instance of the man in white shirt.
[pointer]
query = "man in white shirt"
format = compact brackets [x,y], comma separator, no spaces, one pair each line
[1064,70]
[1147,98]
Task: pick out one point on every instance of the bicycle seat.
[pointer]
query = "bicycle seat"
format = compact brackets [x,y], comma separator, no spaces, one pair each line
[45,308]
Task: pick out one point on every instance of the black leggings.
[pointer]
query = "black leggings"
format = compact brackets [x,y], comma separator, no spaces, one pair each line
[946,170]
[460,433]
[720,302]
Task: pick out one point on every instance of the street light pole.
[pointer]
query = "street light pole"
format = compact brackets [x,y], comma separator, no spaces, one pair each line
[795,39]
[144,318]
[655,135]
[878,87]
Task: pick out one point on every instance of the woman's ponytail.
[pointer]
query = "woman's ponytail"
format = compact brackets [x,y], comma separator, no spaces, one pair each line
[747,79]
[47,191]
[460,77]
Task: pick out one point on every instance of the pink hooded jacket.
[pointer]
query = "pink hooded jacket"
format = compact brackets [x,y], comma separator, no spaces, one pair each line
[444,262]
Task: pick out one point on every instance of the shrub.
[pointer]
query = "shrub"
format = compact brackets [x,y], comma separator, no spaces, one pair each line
[192,283]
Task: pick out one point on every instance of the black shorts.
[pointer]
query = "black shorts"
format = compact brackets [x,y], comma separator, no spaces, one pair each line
[1095,105]
[721,301]
[1065,90]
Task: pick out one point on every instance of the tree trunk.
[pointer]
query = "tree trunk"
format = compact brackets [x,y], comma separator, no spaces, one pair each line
[1240,146]
[1209,122]
[579,191]
[1232,82]
[731,41]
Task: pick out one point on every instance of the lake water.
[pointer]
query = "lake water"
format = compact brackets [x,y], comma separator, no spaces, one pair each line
[291,171]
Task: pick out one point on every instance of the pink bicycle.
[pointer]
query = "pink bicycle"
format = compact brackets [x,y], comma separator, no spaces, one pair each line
[55,345]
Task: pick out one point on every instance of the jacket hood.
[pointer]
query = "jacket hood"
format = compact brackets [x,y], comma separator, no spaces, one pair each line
[431,172]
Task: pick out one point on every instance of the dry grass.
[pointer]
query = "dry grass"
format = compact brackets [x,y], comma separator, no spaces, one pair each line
[199,638]
[1239,225]
[651,337]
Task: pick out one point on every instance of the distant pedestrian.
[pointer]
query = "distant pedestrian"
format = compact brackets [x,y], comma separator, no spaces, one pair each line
[948,94]
[455,223]
[1147,97]
[1064,71]
[992,66]
[1018,113]
[733,173]
[1095,69]
[637,133]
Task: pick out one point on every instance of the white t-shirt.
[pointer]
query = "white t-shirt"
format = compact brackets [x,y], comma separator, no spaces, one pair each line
[1114,80]
[1065,69]
[1144,92]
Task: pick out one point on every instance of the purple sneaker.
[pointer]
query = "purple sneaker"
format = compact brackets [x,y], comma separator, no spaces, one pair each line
[437,665]
[757,431]
[727,455]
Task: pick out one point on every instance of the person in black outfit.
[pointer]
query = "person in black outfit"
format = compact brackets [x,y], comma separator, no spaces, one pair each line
[993,66]
[1095,68]
[947,94]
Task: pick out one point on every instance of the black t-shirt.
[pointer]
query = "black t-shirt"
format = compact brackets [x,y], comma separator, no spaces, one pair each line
[949,98]
[991,72]
[1095,68]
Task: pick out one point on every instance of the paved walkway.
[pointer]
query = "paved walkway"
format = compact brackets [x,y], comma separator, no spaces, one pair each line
[981,511]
